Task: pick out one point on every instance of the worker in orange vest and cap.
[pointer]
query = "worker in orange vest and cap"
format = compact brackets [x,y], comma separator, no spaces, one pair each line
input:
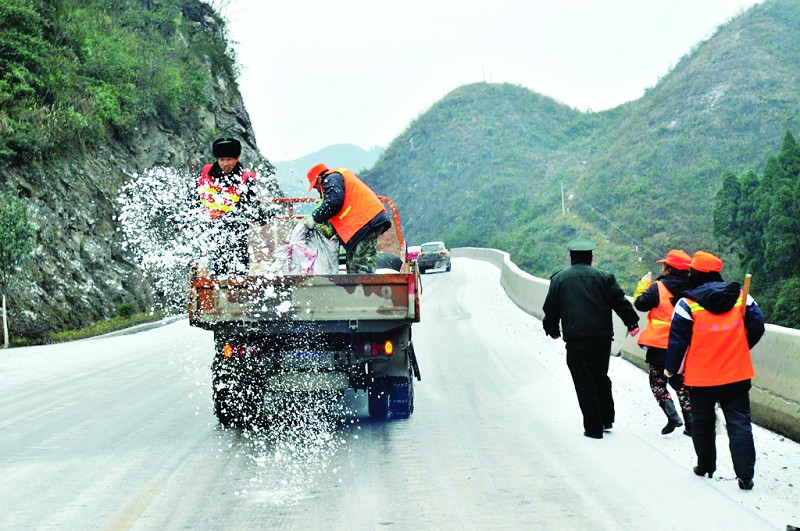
[658,300]
[354,211]
[709,342]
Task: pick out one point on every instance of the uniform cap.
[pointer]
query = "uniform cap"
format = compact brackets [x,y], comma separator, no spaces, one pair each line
[580,244]
[678,259]
[706,262]
[226,147]
[314,173]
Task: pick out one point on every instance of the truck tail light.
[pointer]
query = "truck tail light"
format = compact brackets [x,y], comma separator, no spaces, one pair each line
[375,348]
[238,351]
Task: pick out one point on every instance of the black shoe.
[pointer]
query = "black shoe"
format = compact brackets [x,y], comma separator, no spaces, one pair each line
[745,483]
[607,426]
[702,472]
[593,435]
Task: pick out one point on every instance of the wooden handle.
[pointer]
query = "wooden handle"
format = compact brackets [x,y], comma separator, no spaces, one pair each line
[746,290]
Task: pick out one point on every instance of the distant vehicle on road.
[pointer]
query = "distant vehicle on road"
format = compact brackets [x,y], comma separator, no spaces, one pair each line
[412,253]
[433,255]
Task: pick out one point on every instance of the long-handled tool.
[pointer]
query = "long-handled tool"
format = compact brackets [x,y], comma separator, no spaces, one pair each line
[746,290]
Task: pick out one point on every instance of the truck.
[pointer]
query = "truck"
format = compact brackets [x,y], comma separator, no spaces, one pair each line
[287,336]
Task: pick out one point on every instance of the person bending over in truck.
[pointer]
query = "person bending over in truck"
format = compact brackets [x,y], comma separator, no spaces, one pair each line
[227,194]
[354,211]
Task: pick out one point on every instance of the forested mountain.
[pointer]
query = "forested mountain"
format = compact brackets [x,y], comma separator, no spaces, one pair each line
[485,165]
[91,93]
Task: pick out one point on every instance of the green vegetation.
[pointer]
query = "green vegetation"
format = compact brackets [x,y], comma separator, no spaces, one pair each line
[16,237]
[758,218]
[97,329]
[486,165]
[77,72]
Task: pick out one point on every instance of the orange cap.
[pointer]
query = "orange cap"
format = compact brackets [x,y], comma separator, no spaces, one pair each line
[314,173]
[678,259]
[706,262]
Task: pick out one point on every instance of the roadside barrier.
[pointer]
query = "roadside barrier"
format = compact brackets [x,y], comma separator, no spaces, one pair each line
[775,397]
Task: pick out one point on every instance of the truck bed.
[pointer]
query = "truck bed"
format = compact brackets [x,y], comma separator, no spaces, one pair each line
[293,298]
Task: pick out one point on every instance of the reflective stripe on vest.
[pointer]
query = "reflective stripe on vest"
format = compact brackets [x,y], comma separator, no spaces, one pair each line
[219,200]
[359,207]
[718,353]
[656,334]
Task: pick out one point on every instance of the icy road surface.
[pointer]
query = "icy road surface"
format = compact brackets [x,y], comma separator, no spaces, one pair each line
[118,433]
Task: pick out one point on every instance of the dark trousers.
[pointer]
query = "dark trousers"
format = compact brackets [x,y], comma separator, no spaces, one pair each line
[734,400]
[587,359]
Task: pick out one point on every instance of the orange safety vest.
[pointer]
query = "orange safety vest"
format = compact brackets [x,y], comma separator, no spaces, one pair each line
[359,207]
[656,334]
[718,353]
[219,200]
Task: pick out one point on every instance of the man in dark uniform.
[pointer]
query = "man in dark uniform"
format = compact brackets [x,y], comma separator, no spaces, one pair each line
[582,298]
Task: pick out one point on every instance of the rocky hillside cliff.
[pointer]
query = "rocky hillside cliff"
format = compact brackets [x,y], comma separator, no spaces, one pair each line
[79,273]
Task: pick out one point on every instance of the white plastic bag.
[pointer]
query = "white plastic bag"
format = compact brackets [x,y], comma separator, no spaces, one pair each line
[308,253]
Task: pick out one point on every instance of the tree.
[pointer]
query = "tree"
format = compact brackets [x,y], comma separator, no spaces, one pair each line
[726,206]
[16,242]
[759,217]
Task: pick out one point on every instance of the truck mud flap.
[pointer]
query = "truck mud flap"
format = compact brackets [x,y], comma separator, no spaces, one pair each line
[414,366]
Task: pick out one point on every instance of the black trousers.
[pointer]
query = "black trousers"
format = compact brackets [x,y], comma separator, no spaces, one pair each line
[734,400]
[587,359]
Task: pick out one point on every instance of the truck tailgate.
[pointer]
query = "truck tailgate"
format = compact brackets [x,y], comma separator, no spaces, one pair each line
[390,296]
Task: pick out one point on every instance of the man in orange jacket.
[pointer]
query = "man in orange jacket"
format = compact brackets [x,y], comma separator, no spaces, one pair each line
[709,342]
[658,299]
[354,211]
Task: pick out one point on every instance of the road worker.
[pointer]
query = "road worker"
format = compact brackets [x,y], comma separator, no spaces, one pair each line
[354,211]
[658,299]
[227,194]
[709,342]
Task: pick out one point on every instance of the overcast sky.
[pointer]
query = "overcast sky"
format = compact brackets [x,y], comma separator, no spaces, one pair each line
[323,72]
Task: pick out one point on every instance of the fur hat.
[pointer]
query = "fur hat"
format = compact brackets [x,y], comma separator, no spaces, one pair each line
[226,147]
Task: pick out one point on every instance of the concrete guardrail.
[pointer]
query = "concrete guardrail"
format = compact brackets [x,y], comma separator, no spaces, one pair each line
[775,397]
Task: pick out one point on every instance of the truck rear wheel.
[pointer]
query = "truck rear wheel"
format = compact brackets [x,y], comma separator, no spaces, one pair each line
[401,404]
[378,400]
[237,403]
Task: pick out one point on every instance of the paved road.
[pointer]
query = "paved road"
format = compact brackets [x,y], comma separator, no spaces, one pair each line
[118,433]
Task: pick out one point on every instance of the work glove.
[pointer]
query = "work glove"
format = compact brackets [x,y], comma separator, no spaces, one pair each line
[644,283]
[326,229]
[309,221]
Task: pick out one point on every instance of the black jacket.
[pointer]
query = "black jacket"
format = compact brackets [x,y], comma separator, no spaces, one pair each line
[582,298]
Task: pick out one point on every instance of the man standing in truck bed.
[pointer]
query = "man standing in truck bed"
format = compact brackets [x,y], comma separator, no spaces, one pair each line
[227,194]
[354,211]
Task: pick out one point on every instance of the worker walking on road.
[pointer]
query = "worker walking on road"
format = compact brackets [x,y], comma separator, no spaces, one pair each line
[710,341]
[658,299]
[354,211]
[582,298]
